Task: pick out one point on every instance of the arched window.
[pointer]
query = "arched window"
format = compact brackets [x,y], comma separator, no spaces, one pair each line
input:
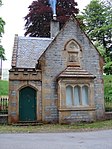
[74,50]
[76,95]
[69,95]
[72,45]
[85,95]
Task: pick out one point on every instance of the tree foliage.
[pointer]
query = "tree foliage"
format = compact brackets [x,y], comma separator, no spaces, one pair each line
[96,21]
[2,23]
[40,14]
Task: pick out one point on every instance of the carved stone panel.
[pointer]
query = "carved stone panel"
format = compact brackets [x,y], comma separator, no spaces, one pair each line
[73,57]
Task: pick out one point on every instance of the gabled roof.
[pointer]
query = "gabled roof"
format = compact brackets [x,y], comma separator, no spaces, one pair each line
[72,18]
[27,51]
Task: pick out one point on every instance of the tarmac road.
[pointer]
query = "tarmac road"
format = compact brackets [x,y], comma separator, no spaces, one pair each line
[73,140]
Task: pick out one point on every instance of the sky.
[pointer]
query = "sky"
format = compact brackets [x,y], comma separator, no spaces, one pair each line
[13,13]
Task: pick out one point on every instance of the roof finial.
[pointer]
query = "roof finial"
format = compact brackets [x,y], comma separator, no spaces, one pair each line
[54,16]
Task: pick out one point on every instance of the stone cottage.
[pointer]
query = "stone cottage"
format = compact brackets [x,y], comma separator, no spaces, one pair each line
[57,79]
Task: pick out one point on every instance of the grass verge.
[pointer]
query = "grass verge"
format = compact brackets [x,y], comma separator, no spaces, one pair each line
[53,128]
[4,88]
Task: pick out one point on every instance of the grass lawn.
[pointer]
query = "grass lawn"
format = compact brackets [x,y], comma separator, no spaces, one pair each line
[99,125]
[4,88]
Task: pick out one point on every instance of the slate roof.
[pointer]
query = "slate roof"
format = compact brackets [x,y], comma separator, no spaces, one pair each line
[27,50]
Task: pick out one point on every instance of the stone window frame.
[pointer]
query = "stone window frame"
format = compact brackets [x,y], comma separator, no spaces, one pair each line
[81,103]
[62,83]
[73,51]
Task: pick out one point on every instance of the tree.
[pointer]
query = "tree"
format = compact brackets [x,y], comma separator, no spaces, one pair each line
[2,23]
[40,14]
[96,21]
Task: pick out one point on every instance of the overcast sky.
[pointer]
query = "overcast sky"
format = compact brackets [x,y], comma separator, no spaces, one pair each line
[13,13]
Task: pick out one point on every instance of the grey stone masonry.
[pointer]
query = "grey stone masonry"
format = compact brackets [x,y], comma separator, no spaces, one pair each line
[55,61]
[50,66]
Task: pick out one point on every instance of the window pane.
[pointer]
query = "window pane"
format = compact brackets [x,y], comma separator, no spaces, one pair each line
[68,95]
[76,95]
[85,95]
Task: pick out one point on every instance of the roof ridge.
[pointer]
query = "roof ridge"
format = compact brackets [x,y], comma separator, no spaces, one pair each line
[15,47]
[36,38]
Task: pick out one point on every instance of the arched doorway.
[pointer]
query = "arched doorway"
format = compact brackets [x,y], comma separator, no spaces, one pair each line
[27,104]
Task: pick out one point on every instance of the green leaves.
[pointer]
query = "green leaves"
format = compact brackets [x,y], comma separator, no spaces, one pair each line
[97,20]
[2,53]
[108,68]
[2,23]
[40,14]
[0,2]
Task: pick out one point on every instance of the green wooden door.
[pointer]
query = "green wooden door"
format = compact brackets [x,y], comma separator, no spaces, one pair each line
[27,104]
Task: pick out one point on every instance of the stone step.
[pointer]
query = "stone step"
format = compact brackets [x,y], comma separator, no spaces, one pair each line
[27,123]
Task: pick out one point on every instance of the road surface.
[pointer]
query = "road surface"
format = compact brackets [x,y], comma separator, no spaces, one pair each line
[72,140]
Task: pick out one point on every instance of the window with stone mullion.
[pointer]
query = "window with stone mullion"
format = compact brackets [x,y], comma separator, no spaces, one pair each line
[77,95]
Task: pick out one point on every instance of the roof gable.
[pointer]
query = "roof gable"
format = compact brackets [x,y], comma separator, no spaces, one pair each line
[27,50]
[74,24]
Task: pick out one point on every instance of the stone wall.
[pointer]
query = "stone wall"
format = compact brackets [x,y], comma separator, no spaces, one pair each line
[108,115]
[17,81]
[54,61]
[3,118]
[77,116]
